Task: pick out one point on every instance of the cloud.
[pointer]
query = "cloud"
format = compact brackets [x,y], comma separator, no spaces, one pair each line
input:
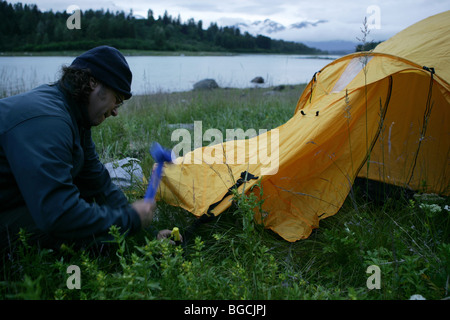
[198,6]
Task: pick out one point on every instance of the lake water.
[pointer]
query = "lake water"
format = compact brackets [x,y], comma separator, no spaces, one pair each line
[173,73]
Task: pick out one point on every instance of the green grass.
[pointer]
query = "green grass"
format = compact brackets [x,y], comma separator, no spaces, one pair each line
[232,257]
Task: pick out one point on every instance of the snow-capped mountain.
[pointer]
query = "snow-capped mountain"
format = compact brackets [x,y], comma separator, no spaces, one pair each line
[306,24]
[270,27]
[260,27]
[297,32]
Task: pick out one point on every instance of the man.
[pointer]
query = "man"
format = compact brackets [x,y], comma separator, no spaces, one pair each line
[51,180]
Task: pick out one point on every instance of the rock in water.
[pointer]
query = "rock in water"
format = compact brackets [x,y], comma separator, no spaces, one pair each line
[258,80]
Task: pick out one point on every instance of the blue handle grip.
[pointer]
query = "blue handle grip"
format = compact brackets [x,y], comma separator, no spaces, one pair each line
[160,155]
[154,183]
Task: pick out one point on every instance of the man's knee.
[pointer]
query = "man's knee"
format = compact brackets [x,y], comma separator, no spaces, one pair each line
[12,221]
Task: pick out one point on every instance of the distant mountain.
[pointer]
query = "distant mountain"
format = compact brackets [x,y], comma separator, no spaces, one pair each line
[306,24]
[270,27]
[261,27]
[275,29]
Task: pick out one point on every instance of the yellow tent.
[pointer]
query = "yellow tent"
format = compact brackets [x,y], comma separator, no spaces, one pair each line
[384,115]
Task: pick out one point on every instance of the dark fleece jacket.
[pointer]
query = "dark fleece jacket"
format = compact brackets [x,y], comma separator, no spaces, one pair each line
[48,163]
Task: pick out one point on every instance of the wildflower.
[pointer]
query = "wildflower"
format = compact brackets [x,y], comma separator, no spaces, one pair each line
[428,197]
[432,208]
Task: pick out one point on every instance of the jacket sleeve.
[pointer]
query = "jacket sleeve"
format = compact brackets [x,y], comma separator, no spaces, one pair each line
[39,152]
[94,181]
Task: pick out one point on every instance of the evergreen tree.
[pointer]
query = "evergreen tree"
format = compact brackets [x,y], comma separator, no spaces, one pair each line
[26,28]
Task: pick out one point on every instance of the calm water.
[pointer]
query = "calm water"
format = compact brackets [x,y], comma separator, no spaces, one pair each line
[173,73]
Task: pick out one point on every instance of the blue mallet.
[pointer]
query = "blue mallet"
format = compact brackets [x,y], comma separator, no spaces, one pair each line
[160,155]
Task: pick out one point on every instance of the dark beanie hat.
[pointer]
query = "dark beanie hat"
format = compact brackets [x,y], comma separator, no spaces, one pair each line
[108,66]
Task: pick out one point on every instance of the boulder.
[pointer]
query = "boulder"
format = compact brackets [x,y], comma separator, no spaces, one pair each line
[258,80]
[125,173]
[206,84]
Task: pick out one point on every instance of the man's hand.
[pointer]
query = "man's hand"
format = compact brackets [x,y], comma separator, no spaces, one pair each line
[145,210]
[165,234]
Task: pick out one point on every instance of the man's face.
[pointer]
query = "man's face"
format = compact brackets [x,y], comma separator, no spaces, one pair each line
[103,102]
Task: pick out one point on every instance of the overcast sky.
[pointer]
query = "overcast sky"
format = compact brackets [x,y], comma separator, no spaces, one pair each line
[339,19]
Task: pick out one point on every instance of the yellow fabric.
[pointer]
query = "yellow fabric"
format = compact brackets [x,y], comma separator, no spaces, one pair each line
[425,43]
[375,120]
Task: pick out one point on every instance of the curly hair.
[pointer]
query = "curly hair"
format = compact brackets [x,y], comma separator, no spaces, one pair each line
[76,83]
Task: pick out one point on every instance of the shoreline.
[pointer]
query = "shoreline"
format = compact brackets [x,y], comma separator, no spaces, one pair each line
[144,53]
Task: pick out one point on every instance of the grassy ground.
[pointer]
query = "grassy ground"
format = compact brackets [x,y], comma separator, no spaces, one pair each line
[231,257]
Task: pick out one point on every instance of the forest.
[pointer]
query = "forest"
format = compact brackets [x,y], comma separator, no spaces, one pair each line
[25,28]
